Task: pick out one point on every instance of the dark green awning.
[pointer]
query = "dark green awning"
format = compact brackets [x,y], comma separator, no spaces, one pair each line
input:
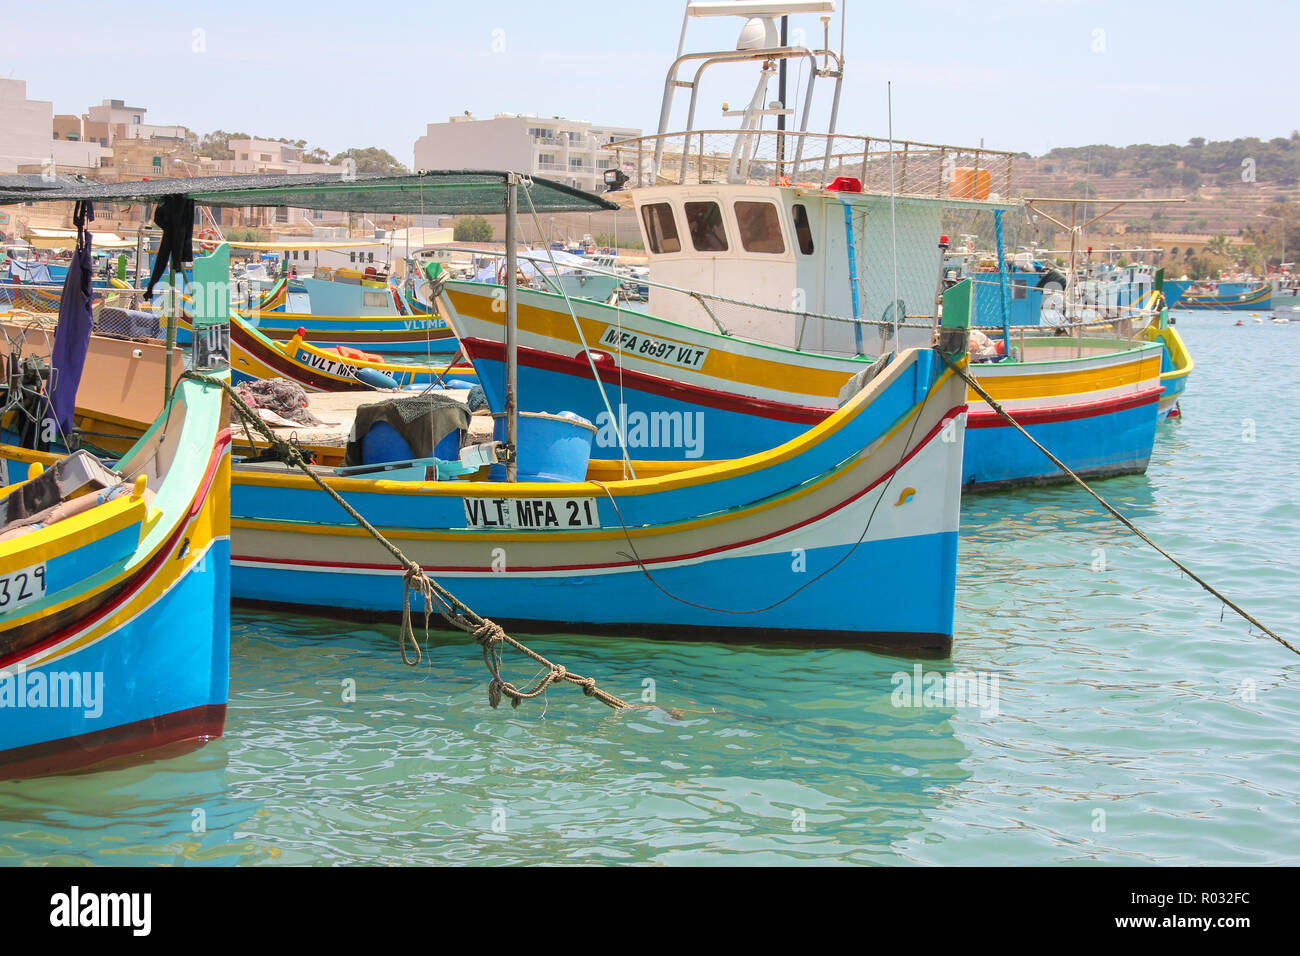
[440,192]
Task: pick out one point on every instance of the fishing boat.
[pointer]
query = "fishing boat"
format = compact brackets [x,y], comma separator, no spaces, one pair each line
[865,502]
[1285,295]
[412,333]
[317,368]
[130,595]
[874,486]
[114,593]
[775,278]
[1219,296]
[352,292]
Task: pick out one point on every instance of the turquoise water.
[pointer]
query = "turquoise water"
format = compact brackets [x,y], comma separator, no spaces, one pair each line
[1131,724]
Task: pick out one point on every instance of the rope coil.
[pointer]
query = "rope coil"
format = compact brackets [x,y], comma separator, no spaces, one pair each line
[487,633]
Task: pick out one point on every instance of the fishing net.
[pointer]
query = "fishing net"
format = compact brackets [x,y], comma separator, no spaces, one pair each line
[279,396]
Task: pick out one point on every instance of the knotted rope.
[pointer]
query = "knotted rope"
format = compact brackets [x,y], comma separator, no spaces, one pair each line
[487,633]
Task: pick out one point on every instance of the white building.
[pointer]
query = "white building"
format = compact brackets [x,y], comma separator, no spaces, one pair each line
[27,134]
[270,157]
[569,151]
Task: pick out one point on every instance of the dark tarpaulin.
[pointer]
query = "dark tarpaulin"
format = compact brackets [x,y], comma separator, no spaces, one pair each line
[72,336]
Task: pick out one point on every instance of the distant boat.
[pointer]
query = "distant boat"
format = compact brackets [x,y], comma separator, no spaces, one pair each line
[1219,297]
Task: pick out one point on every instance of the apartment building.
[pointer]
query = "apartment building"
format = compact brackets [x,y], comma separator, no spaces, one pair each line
[270,157]
[570,151]
[27,140]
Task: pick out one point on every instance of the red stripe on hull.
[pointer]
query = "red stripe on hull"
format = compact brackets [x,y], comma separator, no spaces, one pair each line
[148,739]
[781,411]
[987,418]
[141,578]
[680,391]
[929,437]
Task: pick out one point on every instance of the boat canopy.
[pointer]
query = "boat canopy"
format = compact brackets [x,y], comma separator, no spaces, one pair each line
[305,245]
[67,239]
[451,192]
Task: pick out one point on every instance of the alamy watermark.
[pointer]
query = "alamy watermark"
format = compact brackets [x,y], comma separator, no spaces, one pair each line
[42,689]
[921,688]
[683,430]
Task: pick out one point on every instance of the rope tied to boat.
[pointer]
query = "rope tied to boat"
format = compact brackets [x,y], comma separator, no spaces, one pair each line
[993,404]
[491,636]
[486,632]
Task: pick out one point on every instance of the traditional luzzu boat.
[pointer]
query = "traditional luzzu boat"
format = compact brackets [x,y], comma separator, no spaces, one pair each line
[407,334]
[772,285]
[318,368]
[866,502]
[874,485]
[114,584]
[1225,297]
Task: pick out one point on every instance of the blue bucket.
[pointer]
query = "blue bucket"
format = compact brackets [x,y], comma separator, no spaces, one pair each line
[551,447]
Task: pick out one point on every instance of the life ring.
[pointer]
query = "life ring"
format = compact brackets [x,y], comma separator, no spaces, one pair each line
[521,280]
[212,237]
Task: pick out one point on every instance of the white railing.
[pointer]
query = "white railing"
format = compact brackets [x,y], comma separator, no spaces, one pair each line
[770,157]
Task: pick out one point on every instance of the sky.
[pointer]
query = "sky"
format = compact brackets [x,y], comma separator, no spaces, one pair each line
[1024,76]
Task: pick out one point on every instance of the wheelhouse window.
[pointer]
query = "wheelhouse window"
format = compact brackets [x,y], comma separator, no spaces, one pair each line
[704,220]
[661,228]
[760,227]
[803,229]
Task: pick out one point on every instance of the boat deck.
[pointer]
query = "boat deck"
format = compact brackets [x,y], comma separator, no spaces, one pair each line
[338,411]
[1065,348]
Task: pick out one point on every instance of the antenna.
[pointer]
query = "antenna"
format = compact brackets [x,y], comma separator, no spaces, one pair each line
[893,232]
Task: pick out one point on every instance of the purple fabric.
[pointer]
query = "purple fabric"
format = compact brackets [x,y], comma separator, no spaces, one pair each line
[72,337]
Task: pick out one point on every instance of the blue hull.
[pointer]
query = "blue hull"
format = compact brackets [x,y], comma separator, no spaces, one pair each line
[170,664]
[1116,443]
[1112,444]
[908,608]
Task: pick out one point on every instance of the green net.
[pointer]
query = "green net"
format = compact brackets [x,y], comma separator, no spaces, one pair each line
[445,192]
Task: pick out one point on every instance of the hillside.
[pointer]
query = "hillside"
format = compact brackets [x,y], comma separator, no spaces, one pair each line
[1227,185]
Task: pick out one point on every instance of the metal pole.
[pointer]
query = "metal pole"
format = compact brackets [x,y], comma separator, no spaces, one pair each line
[1003,289]
[174,304]
[512,331]
[138,283]
[780,94]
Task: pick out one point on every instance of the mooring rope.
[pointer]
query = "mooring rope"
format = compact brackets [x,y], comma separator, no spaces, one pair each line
[992,403]
[486,633]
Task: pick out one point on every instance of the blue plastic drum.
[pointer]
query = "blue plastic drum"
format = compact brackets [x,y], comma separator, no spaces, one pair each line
[551,447]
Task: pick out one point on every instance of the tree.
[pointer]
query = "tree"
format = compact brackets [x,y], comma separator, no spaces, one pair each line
[1218,246]
[472,229]
[213,145]
[371,159]
[244,234]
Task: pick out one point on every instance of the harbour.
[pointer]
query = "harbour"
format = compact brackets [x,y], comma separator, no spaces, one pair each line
[836,498]
[1141,708]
